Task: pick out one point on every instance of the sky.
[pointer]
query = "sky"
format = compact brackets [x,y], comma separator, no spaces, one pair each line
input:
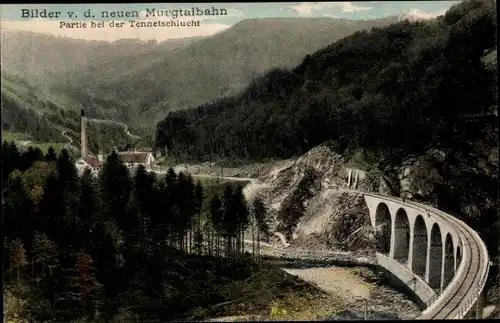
[11,16]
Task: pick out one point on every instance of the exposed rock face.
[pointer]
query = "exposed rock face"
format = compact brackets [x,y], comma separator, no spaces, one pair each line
[304,207]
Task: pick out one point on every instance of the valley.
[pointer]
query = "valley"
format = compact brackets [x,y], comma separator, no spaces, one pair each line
[94,75]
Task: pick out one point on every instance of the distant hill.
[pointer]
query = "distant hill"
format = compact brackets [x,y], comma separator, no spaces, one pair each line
[220,65]
[46,60]
[41,94]
[51,116]
[138,82]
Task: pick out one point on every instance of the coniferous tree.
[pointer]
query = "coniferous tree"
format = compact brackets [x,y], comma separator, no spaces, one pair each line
[183,218]
[18,210]
[259,213]
[29,157]
[229,218]
[10,158]
[51,155]
[67,172]
[115,188]
[191,210]
[166,220]
[69,182]
[82,289]
[197,209]
[216,214]
[242,217]
[52,212]
[44,253]
[18,257]
[87,208]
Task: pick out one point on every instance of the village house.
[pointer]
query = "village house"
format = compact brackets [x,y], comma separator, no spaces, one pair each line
[132,159]
[94,163]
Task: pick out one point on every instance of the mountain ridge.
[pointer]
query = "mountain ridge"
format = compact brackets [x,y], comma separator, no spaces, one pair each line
[158,78]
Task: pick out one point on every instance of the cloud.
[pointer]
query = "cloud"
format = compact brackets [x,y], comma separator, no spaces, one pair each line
[307,8]
[112,33]
[350,7]
[416,14]
[304,9]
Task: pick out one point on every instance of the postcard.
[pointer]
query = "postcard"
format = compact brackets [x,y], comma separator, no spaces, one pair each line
[249,161]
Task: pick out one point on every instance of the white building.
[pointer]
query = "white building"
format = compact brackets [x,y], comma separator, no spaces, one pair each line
[134,159]
[94,163]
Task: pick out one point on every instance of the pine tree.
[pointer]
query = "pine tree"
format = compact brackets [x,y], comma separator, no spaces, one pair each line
[50,156]
[103,249]
[183,219]
[44,253]
[10,158]
[197,209]
[115,188]
[82,289]
[167,215]
[52,211]
[18,259]
[18,209]
[229,220]
[137,209]
[29,157]
[198,242]
[139,212]
[216,213]
[259,214]
[69,181]
[88,207]
[67,172]
[145,192]
[191,210]
[242,217]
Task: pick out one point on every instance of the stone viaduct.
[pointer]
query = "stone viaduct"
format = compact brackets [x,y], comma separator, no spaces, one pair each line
[436,256]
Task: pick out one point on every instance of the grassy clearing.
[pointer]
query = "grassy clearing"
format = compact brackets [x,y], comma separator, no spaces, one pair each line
[13,136]
[166,161]
[19,138]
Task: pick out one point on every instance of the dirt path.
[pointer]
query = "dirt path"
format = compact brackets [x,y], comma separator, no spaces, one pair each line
[70,141]
[339,281]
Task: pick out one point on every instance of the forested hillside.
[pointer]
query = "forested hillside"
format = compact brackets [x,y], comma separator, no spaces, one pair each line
[219,65]
[171,75]
[48,61]
[404,79]
[41,89]
[53,116]
[118,248]
[393,93]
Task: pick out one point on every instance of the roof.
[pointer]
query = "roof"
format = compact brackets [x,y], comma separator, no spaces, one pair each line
[93,161]
[134,157]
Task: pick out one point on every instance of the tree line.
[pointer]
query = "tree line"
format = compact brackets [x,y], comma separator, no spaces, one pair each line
[81,247]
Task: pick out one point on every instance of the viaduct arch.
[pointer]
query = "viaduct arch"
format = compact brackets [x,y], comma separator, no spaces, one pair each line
[441,259]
